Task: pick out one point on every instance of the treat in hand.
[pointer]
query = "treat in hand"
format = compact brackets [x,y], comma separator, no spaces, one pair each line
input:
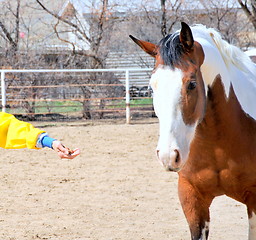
[63,151]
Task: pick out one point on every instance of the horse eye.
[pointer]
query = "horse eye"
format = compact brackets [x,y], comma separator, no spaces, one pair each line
[191,85]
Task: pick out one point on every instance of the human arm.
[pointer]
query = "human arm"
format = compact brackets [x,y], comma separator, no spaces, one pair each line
[16,134]
[63,152]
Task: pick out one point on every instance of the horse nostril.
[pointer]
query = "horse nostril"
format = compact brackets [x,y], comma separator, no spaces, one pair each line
[177,159]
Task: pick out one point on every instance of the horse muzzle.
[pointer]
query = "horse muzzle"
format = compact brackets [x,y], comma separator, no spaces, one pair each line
[170,160]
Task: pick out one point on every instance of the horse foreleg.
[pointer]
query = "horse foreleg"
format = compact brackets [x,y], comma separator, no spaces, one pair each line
[251,210]
[196,209]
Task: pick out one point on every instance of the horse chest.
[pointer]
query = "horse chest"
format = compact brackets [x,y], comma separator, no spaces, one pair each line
[209,180]
[227,181]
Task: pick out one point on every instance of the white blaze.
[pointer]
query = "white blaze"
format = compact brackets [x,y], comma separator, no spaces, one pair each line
[174,133]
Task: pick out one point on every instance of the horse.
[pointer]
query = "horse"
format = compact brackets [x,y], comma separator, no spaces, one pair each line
[204,95]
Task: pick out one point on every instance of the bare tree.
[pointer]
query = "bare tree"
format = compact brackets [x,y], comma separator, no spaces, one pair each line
[250,10]
[12,54]
[92,27]
[223,16]
[10,33]
[165,16]
[173,12]
[163,19]
[98,22]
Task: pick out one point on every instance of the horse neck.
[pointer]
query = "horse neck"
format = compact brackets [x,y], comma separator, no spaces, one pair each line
[232,64]
[224,116]
[240,77]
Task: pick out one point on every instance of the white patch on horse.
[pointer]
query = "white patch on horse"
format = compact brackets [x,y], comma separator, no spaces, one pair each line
[205,231]
[252,227]
[210,70]
[233,65]
[166,84]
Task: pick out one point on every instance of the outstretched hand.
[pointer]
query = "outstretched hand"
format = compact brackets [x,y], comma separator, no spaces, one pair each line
[64,152]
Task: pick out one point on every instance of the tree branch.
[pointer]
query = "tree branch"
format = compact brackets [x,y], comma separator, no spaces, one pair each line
[64,40]
[251,15]
[244,7]
[75,26]
[7,34]
[163,18]
[101,22]
[17,16]
[82,53]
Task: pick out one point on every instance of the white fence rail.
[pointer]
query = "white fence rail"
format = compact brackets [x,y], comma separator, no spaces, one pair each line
[125,77]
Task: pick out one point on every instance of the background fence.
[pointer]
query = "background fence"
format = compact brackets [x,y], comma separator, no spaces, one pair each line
[76,93]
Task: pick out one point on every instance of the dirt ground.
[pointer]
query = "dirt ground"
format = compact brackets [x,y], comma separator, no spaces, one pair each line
[115,190]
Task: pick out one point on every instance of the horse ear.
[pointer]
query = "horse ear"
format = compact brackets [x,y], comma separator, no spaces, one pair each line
[186,37]
[148,47]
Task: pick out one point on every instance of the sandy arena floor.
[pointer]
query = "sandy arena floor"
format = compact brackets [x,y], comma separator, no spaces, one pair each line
[115,190]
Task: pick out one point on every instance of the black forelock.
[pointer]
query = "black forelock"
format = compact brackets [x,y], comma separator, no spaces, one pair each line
[171,50]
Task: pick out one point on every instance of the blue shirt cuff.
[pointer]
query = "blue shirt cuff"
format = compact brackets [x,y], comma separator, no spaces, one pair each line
[44,141]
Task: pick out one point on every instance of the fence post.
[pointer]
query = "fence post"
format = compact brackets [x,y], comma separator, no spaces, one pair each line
[3,91]
[127,96]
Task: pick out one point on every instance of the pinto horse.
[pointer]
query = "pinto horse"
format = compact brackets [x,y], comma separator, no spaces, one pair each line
[205,99]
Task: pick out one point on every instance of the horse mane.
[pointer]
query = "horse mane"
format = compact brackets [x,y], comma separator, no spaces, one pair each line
[230,53]
[238,71]
[171,50]
[240,68]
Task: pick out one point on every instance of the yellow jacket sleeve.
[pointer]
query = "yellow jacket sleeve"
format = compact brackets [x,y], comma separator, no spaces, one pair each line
[17,134]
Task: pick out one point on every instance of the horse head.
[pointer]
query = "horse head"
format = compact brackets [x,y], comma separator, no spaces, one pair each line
[179,94]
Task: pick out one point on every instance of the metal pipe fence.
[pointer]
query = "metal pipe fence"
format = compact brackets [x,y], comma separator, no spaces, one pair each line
[34,92]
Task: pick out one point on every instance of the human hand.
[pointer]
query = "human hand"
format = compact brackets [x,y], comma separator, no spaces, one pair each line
[64,152]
